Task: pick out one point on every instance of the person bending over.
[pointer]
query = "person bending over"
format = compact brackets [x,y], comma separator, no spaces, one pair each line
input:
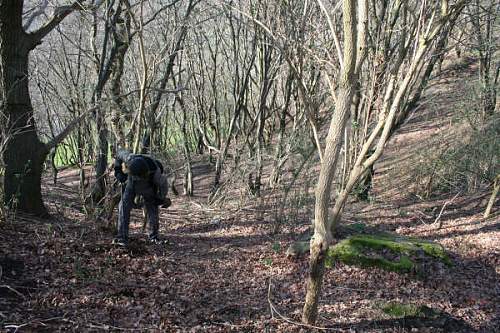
[141,175]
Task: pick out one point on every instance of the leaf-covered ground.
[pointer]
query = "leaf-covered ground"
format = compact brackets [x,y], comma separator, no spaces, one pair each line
[226,271]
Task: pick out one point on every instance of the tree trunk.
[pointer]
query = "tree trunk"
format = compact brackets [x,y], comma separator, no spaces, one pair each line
[188,171]
[53,165]
[221,157]
[496,188]
[314,282]
[322,230]
[279,155]
[488,93]
[102,157]
[104,71]
[120,112]
[25,153]
[259,166]
[437,58]
[279,160]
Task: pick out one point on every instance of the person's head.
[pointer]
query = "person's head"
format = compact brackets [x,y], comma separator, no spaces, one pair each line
[137,167]
[123,154]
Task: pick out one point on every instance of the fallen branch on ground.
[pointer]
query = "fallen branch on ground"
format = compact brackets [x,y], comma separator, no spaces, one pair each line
[36,321]
[286,319]
[13,290]
[438,218]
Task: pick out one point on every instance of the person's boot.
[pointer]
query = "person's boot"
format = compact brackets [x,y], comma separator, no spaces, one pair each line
[157,240]
[119,241]
[166,203]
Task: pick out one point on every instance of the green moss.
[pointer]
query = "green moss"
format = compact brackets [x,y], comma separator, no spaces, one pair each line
[436,251]
[388,252]
[400,310]
[352,251]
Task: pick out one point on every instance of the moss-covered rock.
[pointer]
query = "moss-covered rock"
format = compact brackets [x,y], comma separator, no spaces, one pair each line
[412,317]
[392,253]
[352,252]
[401,310]
[296,249]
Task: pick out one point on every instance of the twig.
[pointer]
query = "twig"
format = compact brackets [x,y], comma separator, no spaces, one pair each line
[423,214]
[286,319]
[38,321]
[423,222]
[200,206]
[442,210]
[227,324]
[108,327]
[16,327]
[13,290]
[269,299]
[354,289]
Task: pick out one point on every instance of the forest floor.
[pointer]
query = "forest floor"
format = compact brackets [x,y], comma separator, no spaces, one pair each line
[226,271]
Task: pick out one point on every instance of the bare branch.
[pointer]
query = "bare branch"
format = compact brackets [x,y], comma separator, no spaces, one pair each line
[39,12]
[60,13]
[66,131]
[438,218]
[13,290]
[332,29]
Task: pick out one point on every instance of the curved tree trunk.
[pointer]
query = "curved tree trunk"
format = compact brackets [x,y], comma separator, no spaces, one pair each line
[322,231]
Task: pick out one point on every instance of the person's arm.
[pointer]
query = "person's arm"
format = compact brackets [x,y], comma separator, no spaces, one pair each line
[119,174]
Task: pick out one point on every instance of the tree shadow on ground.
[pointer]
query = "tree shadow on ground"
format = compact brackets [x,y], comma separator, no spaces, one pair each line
[443,322]
[482,230]
[413,212]
[461,293]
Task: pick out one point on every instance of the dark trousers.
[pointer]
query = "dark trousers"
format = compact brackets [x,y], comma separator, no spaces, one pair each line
[137,186]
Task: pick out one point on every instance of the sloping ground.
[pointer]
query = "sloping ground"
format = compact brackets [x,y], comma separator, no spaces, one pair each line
[471,289]
[224,271]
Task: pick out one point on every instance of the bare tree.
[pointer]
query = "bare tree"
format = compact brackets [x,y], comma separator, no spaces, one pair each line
[22,185]
[484,17]
[322,225]
[399,81]
[239,59]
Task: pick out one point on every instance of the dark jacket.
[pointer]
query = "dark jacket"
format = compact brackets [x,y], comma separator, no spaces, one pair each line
[143,166]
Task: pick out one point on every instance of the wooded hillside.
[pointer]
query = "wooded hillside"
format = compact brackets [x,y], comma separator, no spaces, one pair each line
[333,165]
